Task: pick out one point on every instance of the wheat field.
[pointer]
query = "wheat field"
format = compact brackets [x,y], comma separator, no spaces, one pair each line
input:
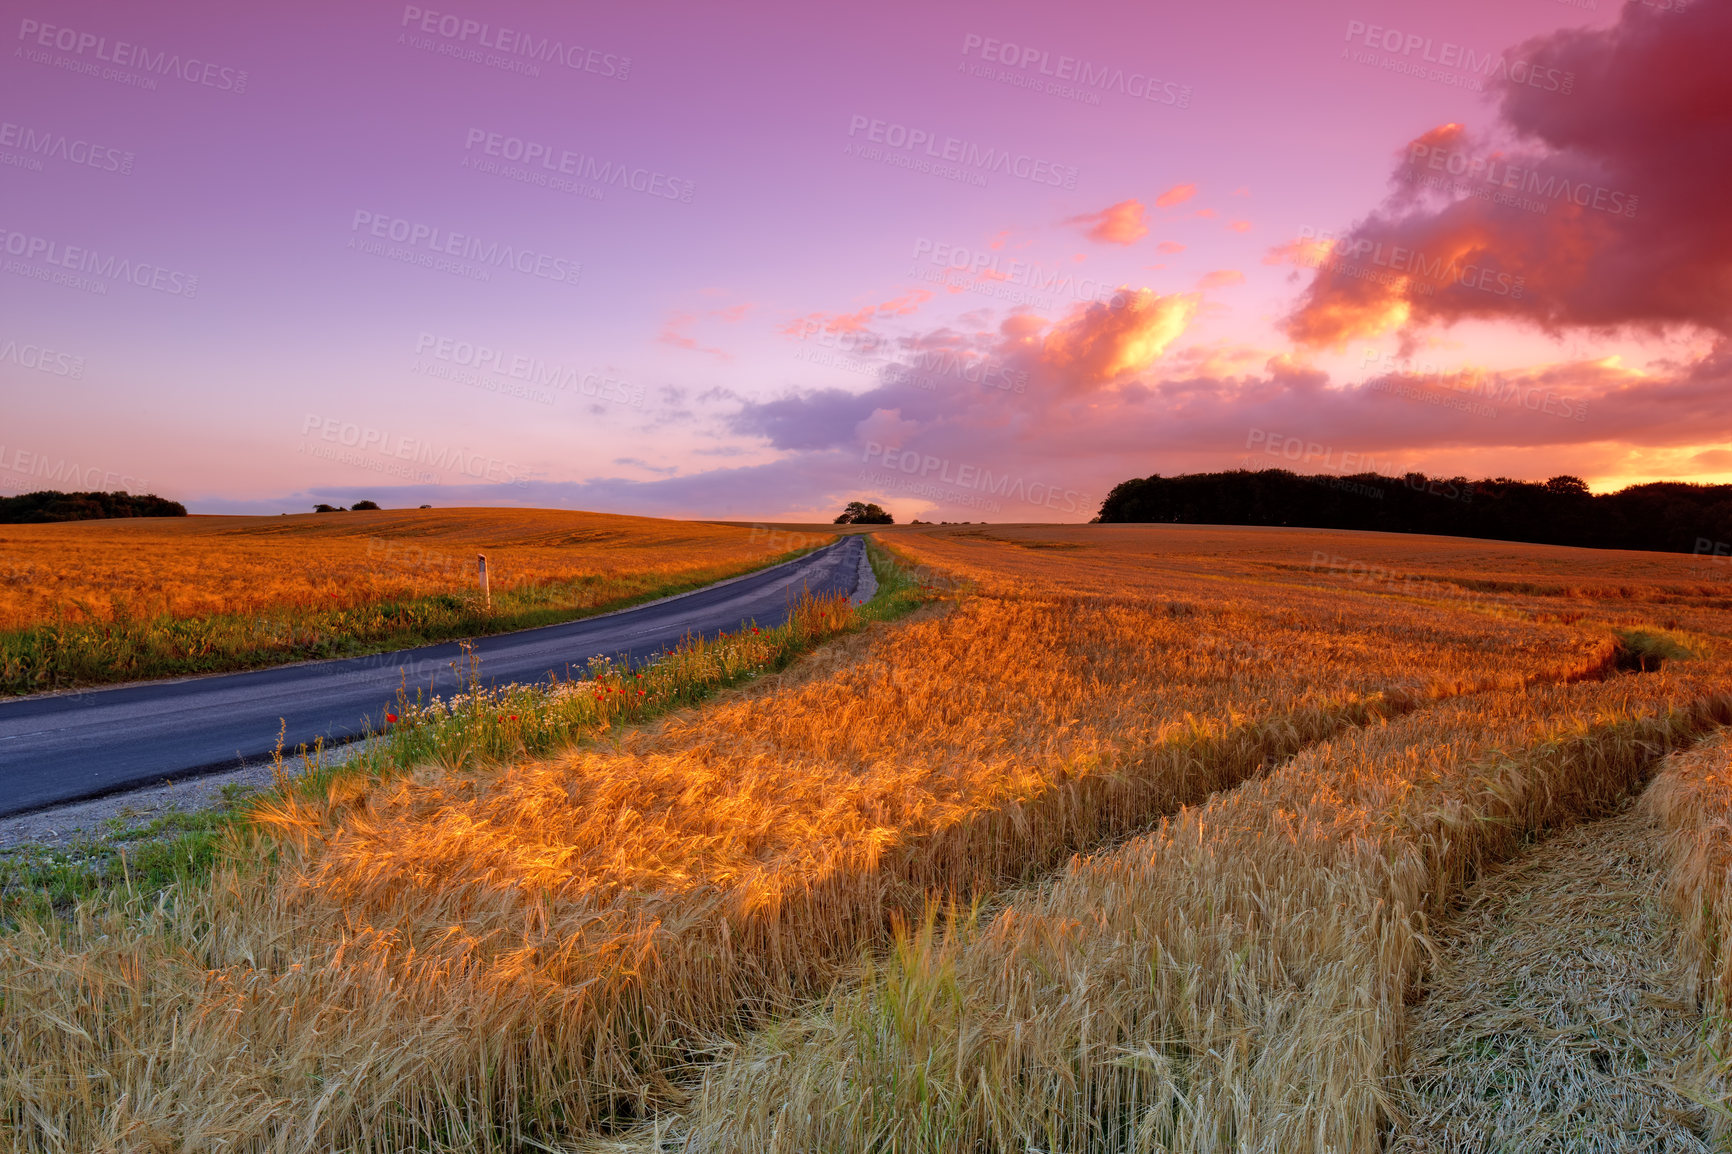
[1134,839]
[197,566]
[85,602]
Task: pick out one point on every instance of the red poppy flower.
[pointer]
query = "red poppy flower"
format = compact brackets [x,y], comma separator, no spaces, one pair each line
[390,717]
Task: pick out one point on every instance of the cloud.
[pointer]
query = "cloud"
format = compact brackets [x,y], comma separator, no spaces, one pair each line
[858,320]
[1169,246]
[639,463]
[674,333]
[1104,394]
[1032,407]
[1101,343]
[1221,278]
[1613,211]
[1178,194]
[675,330]
[1121,223]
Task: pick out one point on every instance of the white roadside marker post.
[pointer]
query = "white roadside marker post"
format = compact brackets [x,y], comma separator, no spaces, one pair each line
[481,574]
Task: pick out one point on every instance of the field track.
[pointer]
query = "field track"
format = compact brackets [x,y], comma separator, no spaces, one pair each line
[1558,1015]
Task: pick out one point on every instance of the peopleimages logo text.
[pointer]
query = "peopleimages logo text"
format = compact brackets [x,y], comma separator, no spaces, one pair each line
[59,146]
[460,460]
[515,42]
[955,151]
[125,55]
[92,263]
[1337,253]
[564,162]
[914,464]
[1099,77]
[1455,56]
[1502,175]
[62,472]
[466,246]
[41,359]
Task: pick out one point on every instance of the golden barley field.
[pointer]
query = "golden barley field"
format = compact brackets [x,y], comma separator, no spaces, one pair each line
[1133,838]
[196,566]
[86,602]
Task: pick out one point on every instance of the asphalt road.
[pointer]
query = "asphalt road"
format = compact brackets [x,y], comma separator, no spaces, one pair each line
[67,747]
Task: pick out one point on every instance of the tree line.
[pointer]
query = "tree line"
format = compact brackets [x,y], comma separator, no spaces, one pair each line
[53,505]
[1663,516]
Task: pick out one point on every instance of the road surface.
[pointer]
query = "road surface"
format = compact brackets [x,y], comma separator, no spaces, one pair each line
[66,747]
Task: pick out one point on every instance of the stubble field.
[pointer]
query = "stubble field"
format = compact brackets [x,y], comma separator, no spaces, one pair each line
[1133,838]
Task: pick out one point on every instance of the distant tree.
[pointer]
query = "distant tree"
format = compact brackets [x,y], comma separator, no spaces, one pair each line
[1565,485]
[426,506]
[329,509]
[860,513]
[359,505]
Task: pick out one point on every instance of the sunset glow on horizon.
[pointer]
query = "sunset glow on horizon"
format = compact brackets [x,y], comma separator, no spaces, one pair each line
[979,262]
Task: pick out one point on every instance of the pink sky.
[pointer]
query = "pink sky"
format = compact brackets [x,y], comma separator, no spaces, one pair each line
[973,261]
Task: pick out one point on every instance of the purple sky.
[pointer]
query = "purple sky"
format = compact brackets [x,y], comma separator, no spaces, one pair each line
[976,262]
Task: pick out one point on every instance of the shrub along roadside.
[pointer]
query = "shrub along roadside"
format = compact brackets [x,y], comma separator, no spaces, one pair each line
[482,726]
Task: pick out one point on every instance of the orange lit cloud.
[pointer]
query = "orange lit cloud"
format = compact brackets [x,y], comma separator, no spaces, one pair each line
[1121,223]
[674,333]
[1240,226]
[1601,210]
[676,329]
[1221,278]
[1101,343]
[1178,194]
[1104,394]
[858,320]
[1170,246]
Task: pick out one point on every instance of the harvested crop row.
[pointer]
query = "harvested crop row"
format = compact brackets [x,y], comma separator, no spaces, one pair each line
[1555,1015]
[1691,800]
[453,959]
[1233,981]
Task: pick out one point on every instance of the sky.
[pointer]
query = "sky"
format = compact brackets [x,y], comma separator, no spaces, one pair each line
[974,262]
